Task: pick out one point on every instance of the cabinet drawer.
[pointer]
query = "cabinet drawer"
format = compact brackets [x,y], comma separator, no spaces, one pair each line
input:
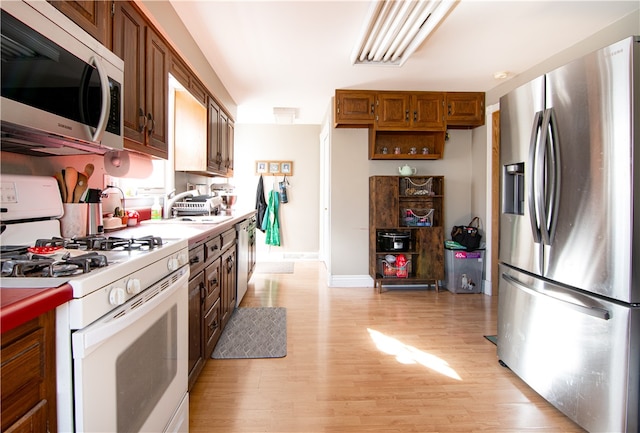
[228,238]
[212,284]
[197,259]
[213,247]
[22,375]
[212,328]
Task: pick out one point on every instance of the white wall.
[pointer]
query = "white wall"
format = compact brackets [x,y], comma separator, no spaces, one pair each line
[350,172]
[299,218]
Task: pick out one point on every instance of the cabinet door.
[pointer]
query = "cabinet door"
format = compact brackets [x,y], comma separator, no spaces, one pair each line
[34,421]
[230,147]
[157,94]
[383,202]
[196,350]
[354,107]
[129,44]
[183,74]
[228,284]
[214,156]
[430,247]
[28,376]
[212,284]
[465,109]
[427,111]
[94,16]
[223,143]
[212,328]
[393,110]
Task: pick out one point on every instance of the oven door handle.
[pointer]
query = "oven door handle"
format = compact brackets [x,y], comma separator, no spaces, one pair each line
[87,340]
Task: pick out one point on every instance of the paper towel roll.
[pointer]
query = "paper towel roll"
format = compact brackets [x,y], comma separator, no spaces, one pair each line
[121,163]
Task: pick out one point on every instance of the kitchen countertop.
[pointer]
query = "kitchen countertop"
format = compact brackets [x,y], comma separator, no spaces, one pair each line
[18,306]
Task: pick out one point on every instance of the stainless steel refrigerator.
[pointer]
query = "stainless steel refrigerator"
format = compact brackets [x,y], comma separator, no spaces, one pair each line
[569,291]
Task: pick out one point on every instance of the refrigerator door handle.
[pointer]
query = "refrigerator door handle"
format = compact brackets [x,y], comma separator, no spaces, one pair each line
[597,312]
[549,175]
[531,187]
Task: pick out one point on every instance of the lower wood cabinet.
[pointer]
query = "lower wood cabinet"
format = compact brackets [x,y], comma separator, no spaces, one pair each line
[212,295]
[196,354]
[28,377]
[228,286]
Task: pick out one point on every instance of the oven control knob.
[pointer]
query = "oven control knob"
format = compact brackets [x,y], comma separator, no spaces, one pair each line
[172,264]
[133,286]
[183,259]
[117,296]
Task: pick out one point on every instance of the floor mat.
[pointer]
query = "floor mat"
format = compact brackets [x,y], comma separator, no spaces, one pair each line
[274,268]
[254,333]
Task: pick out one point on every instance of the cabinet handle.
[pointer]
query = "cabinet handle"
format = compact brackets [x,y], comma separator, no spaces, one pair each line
[449,110]
[213,248]
[415,116]
[153,124]
[142,120]
[213,326]
[194,260]
[406,115]
[372,105]
[202,291]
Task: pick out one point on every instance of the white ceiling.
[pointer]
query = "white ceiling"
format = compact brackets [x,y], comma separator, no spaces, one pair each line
[296,53]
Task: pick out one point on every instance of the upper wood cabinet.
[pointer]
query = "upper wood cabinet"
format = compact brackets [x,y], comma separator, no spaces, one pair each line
[148,58]
[146,89]
[407,125]
[354,108]
[465,109]
[220,143]
[94,16]
[183,74]
[414,111]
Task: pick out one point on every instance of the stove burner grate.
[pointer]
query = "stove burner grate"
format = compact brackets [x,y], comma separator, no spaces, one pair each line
[41,266]
[102,243]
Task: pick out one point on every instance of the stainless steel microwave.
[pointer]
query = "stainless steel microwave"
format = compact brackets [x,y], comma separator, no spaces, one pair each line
[61,88]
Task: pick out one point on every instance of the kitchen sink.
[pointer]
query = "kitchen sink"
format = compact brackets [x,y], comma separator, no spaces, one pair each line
[196,219]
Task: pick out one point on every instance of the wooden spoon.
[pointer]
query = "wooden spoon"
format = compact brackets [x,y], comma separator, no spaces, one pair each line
[63,188]
[70,178]
[88,170]
[81,187]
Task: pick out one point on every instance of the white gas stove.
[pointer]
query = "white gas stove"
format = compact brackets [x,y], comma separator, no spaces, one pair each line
[104,271]
[121,346]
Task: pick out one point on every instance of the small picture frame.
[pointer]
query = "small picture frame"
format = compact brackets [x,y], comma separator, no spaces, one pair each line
[274,167]
[261,167]
[285,168]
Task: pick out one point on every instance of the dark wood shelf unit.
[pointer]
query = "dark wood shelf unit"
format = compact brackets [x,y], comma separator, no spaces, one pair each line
[412,205]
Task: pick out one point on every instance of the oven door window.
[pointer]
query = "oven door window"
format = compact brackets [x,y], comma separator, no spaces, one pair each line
[140,383]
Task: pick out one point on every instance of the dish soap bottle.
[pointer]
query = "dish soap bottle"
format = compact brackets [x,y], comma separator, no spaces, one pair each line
[156,210]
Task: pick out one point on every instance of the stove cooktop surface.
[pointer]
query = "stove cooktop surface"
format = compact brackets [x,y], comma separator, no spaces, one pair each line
[86,263]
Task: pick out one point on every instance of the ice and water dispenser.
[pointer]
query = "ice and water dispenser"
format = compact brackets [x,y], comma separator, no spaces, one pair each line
[513,188]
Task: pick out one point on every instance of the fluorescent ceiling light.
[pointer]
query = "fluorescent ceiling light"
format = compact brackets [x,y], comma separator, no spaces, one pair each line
[394,29]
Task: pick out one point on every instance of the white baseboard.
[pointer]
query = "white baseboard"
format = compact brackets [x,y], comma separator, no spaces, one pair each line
[349,281]
[277,256]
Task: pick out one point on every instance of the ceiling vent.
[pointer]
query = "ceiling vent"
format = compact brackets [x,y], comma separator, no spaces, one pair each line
[394,29]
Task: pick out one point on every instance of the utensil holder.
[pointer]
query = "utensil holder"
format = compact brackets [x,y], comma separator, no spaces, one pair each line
[74,221]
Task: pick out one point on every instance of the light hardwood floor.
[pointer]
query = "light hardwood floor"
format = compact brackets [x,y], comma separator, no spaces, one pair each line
[357,361]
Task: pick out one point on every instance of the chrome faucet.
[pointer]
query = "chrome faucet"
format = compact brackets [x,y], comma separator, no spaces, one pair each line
[172,198]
